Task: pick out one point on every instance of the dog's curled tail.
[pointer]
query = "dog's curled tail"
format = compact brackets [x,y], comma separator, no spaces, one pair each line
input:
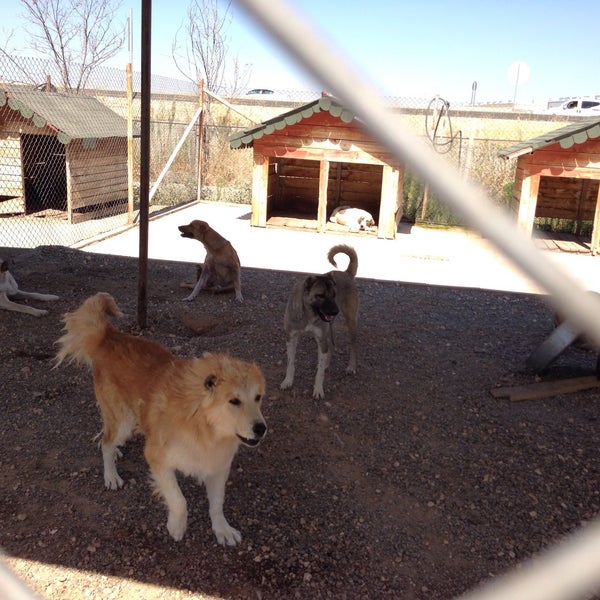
[349,252]
[85,328]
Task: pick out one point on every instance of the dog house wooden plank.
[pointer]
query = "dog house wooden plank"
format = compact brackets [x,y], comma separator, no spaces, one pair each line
[322,208]
[527,202]
[546,389]
[391,194]
[260,182]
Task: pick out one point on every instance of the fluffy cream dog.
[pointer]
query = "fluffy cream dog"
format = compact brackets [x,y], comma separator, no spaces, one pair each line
[193,412]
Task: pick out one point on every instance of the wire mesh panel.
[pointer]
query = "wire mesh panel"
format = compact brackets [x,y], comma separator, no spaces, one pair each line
[64,173]
[69,162]
[571,570]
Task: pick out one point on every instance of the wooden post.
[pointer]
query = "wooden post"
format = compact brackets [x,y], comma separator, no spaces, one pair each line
[425,201]
[388,205]
[528,202]
[260,183]
[200,141]
[322,208]
[129,144]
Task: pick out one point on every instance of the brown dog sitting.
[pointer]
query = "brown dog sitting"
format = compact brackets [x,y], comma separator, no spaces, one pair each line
[221,271]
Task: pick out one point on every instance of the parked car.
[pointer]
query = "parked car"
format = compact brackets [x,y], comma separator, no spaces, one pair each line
[264,94]
[584,107]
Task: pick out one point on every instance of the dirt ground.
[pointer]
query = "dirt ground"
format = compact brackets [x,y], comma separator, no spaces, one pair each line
[408,481]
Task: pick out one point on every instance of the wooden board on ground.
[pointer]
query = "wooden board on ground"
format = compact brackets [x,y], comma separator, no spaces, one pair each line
[546,389]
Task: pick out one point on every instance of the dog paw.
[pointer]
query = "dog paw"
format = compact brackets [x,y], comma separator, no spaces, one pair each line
[227,535]
[113,482]
[39,312]
[286,384]
[176,526]
[318,393]
[351,370]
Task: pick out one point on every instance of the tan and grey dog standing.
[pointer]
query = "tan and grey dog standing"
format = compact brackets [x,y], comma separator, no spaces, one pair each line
[313,304]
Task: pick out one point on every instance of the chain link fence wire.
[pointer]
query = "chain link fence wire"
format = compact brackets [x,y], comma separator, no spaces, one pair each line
[64,171]
[63,182]
[564,572]
[57,186]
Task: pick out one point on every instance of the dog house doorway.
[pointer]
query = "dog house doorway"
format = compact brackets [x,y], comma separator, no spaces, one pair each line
[293,189]
[44,173]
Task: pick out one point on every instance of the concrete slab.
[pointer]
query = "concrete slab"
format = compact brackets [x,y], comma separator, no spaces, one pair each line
[419,255]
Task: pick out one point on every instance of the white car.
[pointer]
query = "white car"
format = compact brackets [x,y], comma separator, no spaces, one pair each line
[264,94]
[584,107]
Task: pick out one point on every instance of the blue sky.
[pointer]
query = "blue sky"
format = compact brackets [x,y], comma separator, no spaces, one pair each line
[414,49]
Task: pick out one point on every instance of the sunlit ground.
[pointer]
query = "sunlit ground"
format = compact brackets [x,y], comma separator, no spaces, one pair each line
[418,255]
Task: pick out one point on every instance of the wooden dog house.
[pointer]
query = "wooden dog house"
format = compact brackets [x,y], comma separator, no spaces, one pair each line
[558,176]
[61,153]
[314,158]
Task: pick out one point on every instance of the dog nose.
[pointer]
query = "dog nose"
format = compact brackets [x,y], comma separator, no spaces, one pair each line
[259,429]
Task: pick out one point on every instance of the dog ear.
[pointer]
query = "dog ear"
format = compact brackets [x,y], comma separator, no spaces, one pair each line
[210,383]
[309,282]
[3,266]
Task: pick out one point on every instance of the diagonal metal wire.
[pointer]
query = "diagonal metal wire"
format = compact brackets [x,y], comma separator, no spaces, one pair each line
[339,75]
[567,571]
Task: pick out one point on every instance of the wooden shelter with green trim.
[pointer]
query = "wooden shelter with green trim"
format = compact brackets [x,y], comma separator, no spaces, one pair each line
[61,153]
[558,176]
[315,158]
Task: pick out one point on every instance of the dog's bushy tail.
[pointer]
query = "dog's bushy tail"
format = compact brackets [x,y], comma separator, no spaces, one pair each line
[85,328]
[349,252]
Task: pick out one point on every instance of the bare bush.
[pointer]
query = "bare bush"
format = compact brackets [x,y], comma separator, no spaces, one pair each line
[77,36]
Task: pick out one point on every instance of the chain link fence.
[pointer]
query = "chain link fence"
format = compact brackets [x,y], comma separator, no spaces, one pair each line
[79,189]
[69,164]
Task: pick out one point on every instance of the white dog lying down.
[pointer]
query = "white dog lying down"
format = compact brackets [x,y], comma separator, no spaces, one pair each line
[356,219]
[9,287]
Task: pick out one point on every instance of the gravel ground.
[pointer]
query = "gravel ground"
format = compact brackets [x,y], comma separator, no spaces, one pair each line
[408,481]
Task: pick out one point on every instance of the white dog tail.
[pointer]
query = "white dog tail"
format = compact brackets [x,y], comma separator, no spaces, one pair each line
[349,252]
[86,328]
